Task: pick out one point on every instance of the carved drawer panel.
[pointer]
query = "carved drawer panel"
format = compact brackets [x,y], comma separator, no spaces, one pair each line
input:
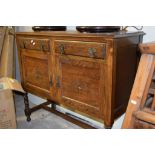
[35,44]
[85,49]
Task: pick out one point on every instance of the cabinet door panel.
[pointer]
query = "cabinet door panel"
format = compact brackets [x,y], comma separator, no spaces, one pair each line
[35,69]
[81,84]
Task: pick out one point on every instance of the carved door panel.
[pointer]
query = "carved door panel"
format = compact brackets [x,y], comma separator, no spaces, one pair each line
[81,85]
[36,77]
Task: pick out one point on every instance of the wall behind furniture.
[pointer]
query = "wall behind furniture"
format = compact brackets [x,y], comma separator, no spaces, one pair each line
[150,33]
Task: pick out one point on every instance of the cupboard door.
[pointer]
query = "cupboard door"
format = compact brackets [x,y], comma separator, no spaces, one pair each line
[35,73]
[81,84]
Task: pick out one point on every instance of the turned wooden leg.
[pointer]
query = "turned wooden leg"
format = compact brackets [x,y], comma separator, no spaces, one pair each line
[27,108]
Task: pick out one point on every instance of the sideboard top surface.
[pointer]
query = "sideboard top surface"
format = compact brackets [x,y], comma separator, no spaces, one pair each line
[119,34]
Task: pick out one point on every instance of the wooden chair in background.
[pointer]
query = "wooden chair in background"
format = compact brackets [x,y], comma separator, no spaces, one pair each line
[141,107]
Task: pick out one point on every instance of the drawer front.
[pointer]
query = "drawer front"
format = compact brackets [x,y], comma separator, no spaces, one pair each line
[85,49]
[35,44]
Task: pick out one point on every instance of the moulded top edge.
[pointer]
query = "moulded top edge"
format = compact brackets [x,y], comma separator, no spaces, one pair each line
[119,34]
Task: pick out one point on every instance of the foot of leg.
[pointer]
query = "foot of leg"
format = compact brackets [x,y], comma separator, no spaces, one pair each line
[53,106]
[27,109]
[107,127]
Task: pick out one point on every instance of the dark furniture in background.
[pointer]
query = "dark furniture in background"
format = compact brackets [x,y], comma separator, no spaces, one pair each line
[98,29]
[91,74]
[49,28]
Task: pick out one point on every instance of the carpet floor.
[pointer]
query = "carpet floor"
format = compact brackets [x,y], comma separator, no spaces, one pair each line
[40,119]
[43,119]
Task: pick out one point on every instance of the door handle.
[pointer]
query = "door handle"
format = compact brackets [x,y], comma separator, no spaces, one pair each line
[58,82]
[92,52]
[51,81]
[62,49]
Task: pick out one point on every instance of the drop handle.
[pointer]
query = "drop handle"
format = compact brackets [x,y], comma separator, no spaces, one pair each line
[24,44]
[42,46]
[62,49]
[92,52]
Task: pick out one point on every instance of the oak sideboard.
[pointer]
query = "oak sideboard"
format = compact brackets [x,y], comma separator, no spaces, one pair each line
[88,73]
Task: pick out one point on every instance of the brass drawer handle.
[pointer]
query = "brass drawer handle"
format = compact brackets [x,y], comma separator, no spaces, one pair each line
[92,52]
[62,49]
[104,52]
[24,44]
[42,46]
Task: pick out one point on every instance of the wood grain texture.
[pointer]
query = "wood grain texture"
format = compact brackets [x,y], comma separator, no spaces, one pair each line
[126,67]
[35,44]
[140,88]
[148,48]
[120,34]
[141,113]
[138,124]
[35,71]
[90,85]
[145,116]
[80,84]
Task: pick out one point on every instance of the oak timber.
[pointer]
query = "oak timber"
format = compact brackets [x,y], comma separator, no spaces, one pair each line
[88,73]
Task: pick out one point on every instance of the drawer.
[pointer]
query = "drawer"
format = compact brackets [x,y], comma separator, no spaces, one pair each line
[85,49]
[34,44]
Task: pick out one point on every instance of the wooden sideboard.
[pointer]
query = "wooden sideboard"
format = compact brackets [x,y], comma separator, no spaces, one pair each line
[91,74]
